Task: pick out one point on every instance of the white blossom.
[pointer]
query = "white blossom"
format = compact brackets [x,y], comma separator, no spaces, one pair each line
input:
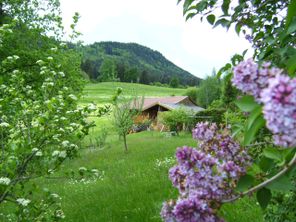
[16,71]
[65,143]
[49,58]
[54,195]
[72,97]
[62,74]
[23,202]
[40,62]
[60,214]
[4,124]
[39,153]
[92,106]
[35,150]
[55,153]
[82,169]
[4,181]
[54,49]
[63,154]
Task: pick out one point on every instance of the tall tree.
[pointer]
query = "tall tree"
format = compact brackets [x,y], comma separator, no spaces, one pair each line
[108,70]
[174,83]
[208,91]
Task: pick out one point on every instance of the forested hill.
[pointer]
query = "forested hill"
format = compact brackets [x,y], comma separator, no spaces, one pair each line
[131,62]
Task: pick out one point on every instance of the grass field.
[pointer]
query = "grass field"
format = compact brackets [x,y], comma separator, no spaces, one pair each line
[133,185]
[102,92]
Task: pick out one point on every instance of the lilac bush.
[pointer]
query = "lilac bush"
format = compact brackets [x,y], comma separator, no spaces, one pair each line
[205,175]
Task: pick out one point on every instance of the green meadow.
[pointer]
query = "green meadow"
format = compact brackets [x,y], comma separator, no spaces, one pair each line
[102,92]
[133,185]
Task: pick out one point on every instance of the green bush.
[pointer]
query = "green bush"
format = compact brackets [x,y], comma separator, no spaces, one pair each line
[177,119]
[192,93]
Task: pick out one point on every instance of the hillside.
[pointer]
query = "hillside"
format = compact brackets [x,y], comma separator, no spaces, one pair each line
[131,62]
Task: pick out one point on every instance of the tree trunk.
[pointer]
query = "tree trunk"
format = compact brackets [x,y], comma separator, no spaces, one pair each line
[125,144]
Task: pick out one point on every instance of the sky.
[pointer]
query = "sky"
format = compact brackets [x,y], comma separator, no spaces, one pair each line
[158,24]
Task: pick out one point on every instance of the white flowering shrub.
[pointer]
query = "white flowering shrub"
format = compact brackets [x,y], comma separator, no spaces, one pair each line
[41,124]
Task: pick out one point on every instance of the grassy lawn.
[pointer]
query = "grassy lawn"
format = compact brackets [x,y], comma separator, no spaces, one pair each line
[134,185]
[102,92]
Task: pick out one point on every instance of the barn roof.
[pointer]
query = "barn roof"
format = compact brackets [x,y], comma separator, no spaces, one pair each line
[170,103]
[149,102]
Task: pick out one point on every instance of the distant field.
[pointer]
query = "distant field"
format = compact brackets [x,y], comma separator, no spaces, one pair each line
[102,92]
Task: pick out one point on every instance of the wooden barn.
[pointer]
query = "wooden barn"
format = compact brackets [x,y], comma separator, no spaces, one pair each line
[151,106]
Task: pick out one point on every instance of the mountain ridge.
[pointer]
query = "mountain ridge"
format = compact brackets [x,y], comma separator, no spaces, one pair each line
[132,62]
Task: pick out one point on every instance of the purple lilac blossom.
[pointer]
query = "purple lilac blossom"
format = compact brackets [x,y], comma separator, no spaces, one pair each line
[205,175]
[204,131]
[279,110]
[251,79]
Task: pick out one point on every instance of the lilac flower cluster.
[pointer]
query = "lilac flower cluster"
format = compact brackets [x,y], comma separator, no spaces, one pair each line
[276,92]
[205,175]
[279,110]
[251,79]
[219,144]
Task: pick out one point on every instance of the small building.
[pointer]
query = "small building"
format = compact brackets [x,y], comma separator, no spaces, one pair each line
[151,106]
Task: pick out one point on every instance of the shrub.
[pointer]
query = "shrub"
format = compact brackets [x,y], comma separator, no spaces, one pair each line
[192,93]
[176,119]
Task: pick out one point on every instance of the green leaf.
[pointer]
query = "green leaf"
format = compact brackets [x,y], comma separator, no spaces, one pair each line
[291,64]
[263,197]
[190,15]
[238,27]
[253,116]
[245,182]
[292,27]
[247,103]
[266,164]
[201,6]
[272,153]
[281,184]
[225,6]
[211,19]
[291,13]
[224,22]
[250,134]
[224,69]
